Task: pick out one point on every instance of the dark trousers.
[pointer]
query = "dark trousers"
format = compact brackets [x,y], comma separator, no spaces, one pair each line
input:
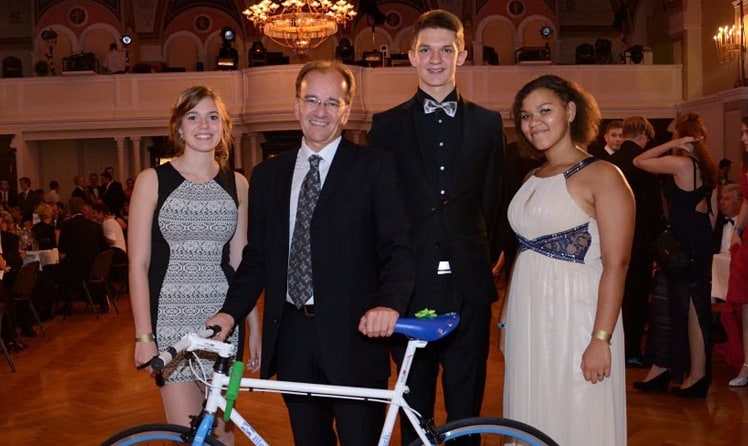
[462,356]
[681,292]
[634,306]
[659,325]
[357,422]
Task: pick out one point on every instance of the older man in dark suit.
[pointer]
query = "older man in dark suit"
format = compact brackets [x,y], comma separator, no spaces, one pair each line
[449,152]
[336,269]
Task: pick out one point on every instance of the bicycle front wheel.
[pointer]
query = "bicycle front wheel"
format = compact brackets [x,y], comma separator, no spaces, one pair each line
[491,431]
[156,435]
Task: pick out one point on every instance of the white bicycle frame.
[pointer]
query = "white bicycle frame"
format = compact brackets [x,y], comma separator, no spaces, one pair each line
[393,398]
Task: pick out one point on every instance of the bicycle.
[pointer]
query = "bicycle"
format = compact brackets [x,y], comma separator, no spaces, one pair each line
[223,389]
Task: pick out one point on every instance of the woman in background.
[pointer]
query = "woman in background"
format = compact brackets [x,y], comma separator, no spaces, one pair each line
[574,217]
[186,235]
[735,320]
[691,181]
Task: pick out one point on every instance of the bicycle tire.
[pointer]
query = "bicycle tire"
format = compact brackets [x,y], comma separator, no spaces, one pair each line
[493,431]
[156,434]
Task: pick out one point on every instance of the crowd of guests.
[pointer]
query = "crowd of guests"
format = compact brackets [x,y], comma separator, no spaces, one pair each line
[92,220]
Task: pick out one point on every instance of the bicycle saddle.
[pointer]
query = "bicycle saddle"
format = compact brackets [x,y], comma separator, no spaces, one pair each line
[427,329]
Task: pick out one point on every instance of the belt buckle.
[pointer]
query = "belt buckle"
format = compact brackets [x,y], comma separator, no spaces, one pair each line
[307,311]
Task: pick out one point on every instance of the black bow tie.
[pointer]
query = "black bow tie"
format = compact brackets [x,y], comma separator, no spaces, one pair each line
[449,107]
[730,220]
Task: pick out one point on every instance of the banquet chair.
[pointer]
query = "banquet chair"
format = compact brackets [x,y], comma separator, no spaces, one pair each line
[23,290]
[119,273]
[99,278]
[6,353]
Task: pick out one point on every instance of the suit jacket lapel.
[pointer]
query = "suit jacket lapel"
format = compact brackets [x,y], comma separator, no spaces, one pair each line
[341,165]
[285,178]
[459,158]
[412,144]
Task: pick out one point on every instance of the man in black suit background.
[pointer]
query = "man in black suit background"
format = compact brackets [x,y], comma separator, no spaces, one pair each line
[318,324]
[449,153]
[112,194]
[28,200]
[81,240]
[638,131]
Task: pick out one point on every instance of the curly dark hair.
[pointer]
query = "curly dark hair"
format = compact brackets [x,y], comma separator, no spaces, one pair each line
[586,123]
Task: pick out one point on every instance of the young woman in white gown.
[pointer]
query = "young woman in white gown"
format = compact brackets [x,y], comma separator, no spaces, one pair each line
[574,217]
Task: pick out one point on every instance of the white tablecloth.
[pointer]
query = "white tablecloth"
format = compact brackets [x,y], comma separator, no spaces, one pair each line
[44,256]
[720,275]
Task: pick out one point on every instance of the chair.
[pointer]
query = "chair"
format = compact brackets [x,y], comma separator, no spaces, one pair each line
[119,272]
[99,276]
[8,358]
[23,290]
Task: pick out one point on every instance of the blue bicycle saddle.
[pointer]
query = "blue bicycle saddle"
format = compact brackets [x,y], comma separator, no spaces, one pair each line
[427,329]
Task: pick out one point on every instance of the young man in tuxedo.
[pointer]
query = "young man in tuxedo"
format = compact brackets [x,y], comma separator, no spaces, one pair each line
[613,137]
[637,132]
[328,242]
[449,152]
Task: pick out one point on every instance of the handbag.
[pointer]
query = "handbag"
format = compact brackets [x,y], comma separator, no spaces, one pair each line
[670,255]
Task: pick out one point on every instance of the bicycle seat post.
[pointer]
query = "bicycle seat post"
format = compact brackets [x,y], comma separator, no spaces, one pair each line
[400,389]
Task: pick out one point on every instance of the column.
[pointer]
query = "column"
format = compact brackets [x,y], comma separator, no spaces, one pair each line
[136,156]
[237,137]
[255,151]
[121,167]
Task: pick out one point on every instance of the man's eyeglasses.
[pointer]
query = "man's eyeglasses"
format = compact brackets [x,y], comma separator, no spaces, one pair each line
[312,102]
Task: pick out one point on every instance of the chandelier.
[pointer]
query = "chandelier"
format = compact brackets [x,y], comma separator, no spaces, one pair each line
[300,24]
[728,42]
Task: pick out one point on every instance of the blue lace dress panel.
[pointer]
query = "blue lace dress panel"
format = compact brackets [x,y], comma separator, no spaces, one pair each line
[570,245]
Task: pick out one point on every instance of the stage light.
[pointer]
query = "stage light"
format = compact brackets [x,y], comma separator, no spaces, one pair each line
[227,33]
[126,39]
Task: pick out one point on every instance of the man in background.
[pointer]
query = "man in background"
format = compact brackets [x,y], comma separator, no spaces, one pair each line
[613,137]
[637,132]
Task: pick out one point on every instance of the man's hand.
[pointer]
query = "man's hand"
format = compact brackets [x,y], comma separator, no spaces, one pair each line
[378,322]
[223,320]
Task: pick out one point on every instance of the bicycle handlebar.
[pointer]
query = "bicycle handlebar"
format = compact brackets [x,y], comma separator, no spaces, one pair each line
[427,329]
[186,343]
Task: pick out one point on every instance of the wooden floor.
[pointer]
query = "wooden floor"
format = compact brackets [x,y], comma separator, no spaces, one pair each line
[79,386]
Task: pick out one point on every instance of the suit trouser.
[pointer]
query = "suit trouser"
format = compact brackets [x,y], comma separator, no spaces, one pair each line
[462,356]
[357,422]
[634,307]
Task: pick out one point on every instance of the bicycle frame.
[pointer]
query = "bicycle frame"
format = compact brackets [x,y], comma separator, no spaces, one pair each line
[393,398]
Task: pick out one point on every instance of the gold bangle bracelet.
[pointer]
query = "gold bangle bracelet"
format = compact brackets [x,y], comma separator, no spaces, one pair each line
[148,337]
[602,335]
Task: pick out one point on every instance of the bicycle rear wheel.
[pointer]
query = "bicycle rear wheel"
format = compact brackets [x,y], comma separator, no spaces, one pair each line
[156,435]
[492,432]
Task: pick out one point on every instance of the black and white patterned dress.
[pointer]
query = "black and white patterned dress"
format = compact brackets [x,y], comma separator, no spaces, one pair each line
[189,272]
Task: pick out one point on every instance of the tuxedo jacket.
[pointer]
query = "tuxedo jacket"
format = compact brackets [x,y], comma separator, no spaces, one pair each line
[471,220]
[11,250]
[647,194]
[80,241]
[114,197]
[360,258]
[27,203]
